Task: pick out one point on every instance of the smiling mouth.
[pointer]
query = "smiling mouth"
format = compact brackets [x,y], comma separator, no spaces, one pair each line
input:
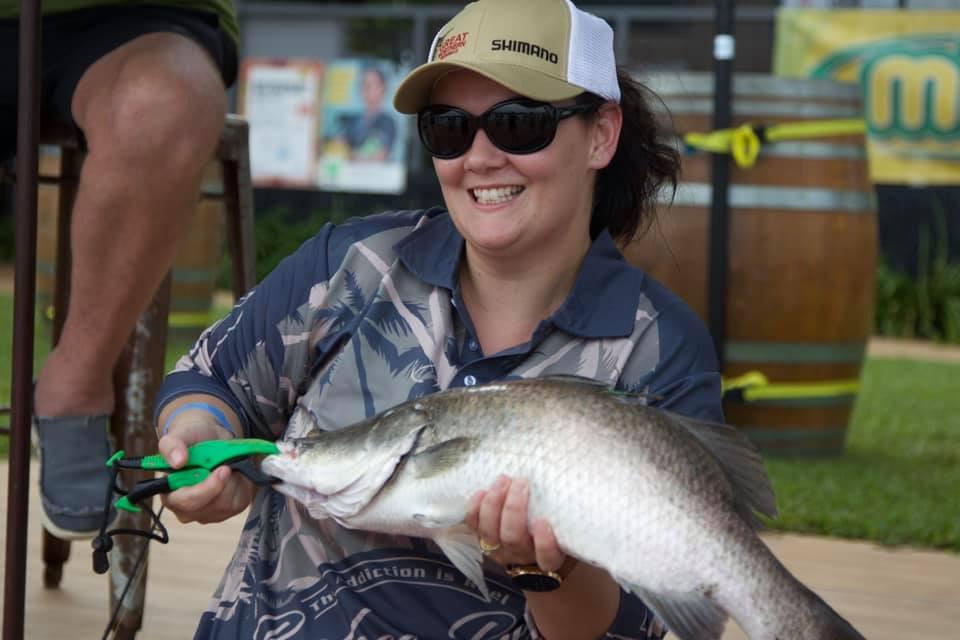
[496,195]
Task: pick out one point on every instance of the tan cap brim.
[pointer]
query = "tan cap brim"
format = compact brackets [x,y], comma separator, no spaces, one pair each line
[414,92]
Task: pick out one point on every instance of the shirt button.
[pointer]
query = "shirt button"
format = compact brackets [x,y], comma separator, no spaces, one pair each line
[473,345]
[469,381]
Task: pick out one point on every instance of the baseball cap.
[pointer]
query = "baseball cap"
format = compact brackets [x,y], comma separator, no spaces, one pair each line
[543,49]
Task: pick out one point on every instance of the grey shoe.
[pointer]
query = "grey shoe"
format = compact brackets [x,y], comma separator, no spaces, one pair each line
[74,479]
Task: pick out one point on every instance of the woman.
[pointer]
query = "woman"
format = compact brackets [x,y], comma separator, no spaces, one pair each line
[545,156]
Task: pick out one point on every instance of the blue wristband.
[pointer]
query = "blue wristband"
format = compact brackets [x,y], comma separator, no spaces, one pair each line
[216,413]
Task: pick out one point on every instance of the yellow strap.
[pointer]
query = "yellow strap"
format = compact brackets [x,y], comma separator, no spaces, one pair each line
[815,129]
[744,144]
[749,379]
[713,142]
[756,386]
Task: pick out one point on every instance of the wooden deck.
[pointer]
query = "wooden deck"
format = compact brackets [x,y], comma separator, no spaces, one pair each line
[888,594]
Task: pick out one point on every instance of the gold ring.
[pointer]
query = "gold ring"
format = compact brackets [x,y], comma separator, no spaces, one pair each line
[486,548]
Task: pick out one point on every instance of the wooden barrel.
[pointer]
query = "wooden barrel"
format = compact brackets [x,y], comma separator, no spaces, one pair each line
[802,255]
[195,269]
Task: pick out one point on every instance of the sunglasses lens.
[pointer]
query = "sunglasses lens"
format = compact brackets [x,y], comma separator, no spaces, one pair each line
[518,127]
[515,127]
[445,132]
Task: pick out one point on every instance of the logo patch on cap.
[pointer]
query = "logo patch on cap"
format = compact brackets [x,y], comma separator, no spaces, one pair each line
[527,48]
[449,45]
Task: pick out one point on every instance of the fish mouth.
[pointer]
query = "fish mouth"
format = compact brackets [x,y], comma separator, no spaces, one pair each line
[282,466]
[288,450]
[279,465]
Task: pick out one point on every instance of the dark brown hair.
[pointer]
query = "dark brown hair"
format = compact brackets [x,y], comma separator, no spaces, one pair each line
[626,191]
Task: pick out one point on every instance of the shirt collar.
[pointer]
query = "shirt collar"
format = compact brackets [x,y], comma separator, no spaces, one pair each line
[602,303]
[432,250]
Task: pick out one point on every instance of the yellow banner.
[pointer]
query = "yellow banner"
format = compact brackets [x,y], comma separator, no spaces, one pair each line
[908,65]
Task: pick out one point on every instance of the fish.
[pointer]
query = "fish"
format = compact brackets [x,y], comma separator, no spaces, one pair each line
[667,505]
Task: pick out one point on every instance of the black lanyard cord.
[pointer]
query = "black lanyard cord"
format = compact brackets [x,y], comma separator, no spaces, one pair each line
[103,543]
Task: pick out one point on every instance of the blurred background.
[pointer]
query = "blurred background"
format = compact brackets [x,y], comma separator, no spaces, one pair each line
[840,327]
[843,228]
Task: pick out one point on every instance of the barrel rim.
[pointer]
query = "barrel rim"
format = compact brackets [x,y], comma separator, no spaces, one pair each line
[748,84]
[781,198]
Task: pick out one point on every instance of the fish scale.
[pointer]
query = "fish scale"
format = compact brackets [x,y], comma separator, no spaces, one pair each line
[665,504]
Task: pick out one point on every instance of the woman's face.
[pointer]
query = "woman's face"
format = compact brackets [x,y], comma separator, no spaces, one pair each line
[508,205]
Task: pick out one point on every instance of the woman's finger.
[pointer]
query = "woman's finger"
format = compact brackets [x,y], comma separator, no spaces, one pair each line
[173,450]
[488,524]
[549,555]
[514,533]
[236,497]
[188,502]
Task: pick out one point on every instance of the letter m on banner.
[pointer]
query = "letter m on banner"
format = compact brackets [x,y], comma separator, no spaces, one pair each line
[913,95]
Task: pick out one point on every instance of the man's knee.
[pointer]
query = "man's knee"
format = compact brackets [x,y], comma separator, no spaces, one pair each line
[166,104]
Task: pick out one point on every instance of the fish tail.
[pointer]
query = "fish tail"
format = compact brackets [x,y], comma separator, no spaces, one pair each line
[829,624]
[796,612]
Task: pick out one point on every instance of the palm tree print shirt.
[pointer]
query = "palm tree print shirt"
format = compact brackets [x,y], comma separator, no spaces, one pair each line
[367,315]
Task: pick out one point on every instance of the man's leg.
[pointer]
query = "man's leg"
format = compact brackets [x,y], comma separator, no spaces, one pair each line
[151,111]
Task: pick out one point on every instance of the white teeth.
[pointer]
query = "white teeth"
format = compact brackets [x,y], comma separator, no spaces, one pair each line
[496,195]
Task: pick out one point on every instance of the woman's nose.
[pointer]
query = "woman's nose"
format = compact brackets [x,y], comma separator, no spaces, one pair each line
[483,155]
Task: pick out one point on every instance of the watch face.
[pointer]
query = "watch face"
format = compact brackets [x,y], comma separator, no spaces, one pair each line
[537,581]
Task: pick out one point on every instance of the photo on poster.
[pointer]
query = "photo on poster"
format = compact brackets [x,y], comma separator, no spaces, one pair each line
[363,140]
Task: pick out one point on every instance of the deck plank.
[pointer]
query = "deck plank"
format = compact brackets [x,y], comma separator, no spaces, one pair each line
[888,594]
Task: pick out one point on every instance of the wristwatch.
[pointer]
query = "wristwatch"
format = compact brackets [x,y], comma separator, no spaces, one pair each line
[530,577]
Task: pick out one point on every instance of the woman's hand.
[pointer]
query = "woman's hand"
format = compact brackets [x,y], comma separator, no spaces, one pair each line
[586,603]
[499,516]
[223,494]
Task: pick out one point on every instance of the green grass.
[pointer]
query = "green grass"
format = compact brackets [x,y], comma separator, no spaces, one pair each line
[899,482]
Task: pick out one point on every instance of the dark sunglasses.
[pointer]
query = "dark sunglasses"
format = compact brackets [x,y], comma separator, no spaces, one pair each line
[517,126]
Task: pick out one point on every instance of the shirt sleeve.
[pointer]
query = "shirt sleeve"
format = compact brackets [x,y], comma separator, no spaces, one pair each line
[686,378]
[256,357]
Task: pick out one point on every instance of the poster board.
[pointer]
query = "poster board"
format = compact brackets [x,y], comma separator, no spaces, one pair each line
[281,99]
[325,125]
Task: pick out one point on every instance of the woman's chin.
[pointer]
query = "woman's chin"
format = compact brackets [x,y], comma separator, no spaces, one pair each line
[493,242]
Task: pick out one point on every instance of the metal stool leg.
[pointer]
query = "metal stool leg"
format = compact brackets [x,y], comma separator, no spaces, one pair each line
[238,198]
[15,568]
[137,378]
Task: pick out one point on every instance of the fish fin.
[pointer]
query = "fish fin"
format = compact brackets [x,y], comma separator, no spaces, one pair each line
[462,547]
[688,615]
[572,378]
[742,464]
[439,457]
[631,397]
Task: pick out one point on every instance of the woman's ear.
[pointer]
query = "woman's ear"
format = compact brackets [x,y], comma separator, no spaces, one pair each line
[606,134]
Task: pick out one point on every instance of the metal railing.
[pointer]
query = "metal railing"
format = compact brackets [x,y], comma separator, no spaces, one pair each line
[620,17]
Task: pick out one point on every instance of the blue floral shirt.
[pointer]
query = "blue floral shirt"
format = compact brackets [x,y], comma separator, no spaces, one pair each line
[367,315]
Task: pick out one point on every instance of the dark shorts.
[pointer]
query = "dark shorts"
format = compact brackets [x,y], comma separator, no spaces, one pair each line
[73,41]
